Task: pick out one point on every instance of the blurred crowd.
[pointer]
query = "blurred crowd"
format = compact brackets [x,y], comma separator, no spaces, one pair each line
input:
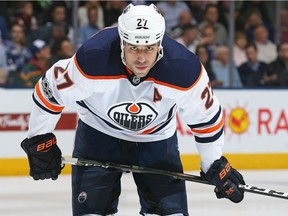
[36,34]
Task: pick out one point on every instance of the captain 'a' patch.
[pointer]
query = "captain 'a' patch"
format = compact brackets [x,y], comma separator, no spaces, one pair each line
[157,96]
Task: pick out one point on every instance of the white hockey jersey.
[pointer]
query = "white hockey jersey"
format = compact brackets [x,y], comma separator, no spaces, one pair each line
[114,101]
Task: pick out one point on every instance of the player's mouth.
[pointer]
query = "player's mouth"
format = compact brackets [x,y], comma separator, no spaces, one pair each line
[141,67]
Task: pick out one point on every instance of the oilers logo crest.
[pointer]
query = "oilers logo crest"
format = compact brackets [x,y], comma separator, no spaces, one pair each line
[132,116]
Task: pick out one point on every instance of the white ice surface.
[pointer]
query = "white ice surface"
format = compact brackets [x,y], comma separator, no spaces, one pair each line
[22,196]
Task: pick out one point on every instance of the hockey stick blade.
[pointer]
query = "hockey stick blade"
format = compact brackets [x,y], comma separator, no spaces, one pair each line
[176,175]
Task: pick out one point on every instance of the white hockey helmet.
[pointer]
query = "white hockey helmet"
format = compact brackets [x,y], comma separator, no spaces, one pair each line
[141,25]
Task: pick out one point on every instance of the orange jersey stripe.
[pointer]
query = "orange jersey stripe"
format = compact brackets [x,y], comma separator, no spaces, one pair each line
[128,70]
[45,101]
[177,87]
[149,130]
[211,129]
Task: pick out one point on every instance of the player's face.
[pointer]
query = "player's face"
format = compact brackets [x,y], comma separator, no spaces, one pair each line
[140,58]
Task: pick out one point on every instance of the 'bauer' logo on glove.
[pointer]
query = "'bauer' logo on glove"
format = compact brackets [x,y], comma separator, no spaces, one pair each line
[44,147]
[44,156]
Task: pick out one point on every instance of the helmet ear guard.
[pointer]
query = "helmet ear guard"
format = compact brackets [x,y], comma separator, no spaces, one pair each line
[141,25]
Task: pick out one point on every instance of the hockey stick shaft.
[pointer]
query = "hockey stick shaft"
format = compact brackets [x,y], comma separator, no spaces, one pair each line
[176,175]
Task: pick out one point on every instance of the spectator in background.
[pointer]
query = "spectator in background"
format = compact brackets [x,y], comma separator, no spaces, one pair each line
[188,37]
[18,53]
[211,17]
[197,10]
[89,29]
[171,11]
[254,73]
[61,49]
[202,53]
[221,68]
[26,18]
[112,10]
[37,66]
[56,27]
[184,19]
[208,39]
[253,20]
[267,50]
[280,65]
[59,31]
[59,17]
[83,13]
[239,54]
[256,5]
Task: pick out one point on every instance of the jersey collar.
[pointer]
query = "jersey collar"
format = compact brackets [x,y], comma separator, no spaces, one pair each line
[134,80]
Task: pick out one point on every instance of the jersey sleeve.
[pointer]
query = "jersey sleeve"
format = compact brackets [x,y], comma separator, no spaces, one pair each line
[61,85]
[201,111]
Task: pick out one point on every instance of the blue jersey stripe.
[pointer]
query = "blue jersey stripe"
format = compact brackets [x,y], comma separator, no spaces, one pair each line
[166,122]
[82,104]
[212,121]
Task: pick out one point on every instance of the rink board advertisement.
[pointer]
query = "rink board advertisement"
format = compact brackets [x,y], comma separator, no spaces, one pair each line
[256,129]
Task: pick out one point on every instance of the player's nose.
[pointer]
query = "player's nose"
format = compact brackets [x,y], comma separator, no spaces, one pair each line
[141,57]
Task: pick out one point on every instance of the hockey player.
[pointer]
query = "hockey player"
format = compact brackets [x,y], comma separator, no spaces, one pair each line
[129,81]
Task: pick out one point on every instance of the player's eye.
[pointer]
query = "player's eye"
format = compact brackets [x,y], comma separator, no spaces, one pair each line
[133,48]
[149,48]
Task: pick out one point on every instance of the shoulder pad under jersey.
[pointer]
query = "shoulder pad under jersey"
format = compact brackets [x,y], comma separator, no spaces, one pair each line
[179,66]
[100,55]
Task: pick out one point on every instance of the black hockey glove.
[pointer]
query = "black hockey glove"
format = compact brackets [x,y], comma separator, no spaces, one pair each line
[226,179]
[44,156]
